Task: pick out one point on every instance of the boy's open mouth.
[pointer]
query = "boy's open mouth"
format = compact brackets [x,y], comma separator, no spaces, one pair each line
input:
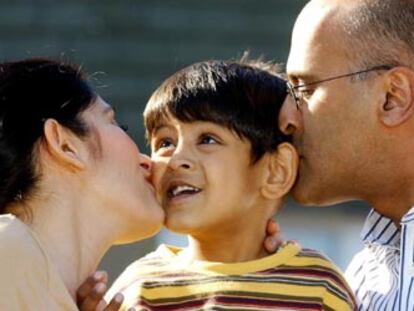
[181,189]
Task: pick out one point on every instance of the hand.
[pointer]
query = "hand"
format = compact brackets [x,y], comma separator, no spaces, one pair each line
[89,296]
[274,237]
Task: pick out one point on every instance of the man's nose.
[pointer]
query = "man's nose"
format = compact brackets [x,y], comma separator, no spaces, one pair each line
[290,118]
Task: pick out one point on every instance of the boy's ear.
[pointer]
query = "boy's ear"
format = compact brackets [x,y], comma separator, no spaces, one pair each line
[282,172]
[62,145]
[398,104]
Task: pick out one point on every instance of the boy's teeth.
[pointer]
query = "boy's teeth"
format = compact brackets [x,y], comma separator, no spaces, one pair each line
[180,189]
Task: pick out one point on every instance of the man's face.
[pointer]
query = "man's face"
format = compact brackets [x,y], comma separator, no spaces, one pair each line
[331,127]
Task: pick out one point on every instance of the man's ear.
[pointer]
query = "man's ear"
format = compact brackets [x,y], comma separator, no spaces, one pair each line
[62,145]
[282,172]
[398,104]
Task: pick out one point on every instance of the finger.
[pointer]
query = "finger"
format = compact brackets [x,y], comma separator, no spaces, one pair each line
[101,305]
[84,290]
[272,227]
[101,276]
[277,235]
[274,236]
[115,303]
[87,286]
[270,245]
[94,298]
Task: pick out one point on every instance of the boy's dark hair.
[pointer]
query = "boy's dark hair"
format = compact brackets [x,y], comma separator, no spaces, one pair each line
[244,96]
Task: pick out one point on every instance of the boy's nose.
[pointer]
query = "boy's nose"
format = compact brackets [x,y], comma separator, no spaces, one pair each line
[181,162]
[290,118]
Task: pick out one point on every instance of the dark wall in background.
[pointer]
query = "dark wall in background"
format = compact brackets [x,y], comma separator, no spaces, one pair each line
[133,45]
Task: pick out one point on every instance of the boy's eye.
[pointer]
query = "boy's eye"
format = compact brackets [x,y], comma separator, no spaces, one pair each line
[208,140]
[164,143]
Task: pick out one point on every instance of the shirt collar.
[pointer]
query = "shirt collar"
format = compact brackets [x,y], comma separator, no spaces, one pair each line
[409,217]
[381,230]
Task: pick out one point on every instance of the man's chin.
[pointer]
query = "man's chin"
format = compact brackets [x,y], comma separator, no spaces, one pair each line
[301,198]
[304,195]
[314,197]
[300,192]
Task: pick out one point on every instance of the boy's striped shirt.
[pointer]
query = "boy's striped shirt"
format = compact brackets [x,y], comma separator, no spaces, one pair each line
[291,279]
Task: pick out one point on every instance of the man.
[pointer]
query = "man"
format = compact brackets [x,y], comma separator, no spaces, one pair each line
[352,121]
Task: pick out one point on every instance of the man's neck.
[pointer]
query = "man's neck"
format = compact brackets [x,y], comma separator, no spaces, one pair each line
[391,190]
[393,208]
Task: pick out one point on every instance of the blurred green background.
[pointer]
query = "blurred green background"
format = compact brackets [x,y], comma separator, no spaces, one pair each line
[129,47]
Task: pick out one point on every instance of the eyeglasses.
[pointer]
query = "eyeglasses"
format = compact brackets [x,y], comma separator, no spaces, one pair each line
[298,94]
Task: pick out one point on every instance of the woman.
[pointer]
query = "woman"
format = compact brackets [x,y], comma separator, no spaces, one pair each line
[72,183]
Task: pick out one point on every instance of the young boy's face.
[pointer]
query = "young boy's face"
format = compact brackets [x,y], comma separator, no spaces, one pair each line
[204,177]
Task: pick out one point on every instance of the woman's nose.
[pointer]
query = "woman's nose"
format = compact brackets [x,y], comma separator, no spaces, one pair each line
[146,165]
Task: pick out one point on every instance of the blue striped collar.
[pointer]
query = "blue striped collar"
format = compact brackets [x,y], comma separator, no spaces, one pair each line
[380,230]
[409,217]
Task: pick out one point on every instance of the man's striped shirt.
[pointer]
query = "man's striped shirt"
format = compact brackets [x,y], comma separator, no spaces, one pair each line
[382,274]
[291,279]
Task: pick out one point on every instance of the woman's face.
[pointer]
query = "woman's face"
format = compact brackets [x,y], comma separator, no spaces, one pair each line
[120,176]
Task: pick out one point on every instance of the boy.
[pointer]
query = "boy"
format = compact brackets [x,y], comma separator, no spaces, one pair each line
[221,169]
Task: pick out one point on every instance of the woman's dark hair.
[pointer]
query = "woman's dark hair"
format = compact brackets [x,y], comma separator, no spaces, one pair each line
[32,91]
[244,96]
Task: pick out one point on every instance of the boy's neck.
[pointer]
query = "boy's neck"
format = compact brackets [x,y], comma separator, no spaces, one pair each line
[244,243]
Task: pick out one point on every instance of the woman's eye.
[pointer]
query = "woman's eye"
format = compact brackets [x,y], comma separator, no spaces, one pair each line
[208,140]
[124,127]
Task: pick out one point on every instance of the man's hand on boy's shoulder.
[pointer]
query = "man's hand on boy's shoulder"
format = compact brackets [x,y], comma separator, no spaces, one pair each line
[90,295]
[274,236]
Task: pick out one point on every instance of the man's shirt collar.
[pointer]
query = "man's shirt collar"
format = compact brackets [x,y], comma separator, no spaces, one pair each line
[381,230]
[409,217]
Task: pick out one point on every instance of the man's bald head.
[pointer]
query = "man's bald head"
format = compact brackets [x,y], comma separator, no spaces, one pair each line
[374,32]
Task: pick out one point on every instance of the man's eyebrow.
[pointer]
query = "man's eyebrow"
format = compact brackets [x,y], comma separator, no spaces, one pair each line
[301,77]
